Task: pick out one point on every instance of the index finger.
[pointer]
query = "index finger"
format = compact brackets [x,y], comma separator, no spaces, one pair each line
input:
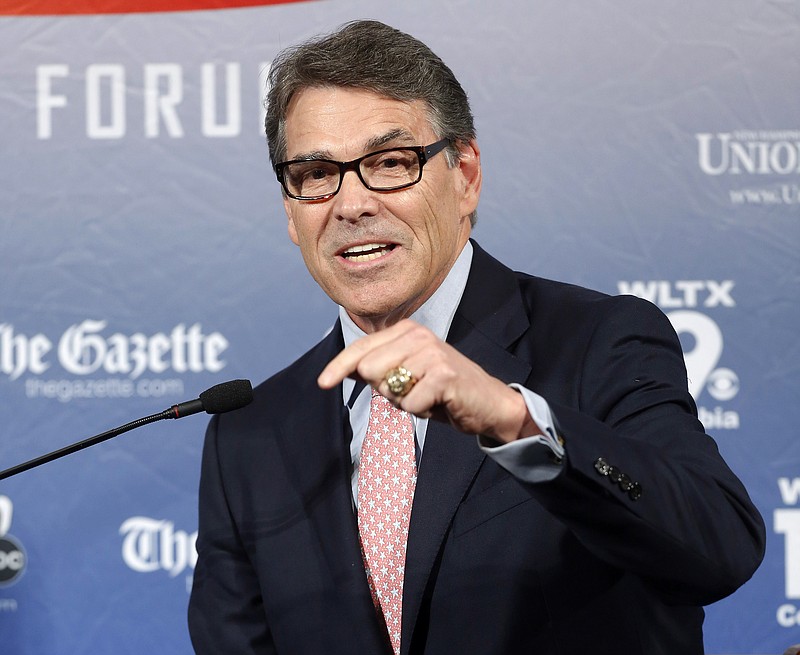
[346,362]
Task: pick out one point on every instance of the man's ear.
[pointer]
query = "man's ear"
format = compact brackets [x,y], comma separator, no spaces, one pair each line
[469,163]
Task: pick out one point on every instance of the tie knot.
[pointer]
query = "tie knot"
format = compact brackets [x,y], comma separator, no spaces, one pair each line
[382,402]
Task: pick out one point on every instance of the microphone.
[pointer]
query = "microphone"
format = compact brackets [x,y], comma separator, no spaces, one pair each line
[221,398]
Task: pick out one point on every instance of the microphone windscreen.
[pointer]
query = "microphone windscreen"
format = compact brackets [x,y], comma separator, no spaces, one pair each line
[227,396]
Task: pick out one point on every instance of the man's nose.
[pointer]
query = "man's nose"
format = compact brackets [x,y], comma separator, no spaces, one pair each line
[354,200]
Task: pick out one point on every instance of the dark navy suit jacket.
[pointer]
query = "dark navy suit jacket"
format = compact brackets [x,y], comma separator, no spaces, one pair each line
[584,563]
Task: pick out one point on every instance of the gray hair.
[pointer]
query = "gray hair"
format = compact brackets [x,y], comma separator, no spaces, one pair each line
[373,56]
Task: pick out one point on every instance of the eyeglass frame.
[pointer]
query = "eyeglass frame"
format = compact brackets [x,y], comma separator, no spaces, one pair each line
[424,153]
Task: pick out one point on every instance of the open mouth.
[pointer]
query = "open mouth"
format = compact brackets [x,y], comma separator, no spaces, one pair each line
[367,252]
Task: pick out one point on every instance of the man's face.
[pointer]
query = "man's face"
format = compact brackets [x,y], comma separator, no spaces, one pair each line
[378,254]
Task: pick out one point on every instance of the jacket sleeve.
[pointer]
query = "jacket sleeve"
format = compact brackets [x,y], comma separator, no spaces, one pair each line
[642,486]
[226,612]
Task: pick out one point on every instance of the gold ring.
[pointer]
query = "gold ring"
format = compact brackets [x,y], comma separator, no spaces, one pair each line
[399,380]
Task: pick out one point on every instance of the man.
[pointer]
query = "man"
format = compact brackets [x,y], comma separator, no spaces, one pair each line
[591,514]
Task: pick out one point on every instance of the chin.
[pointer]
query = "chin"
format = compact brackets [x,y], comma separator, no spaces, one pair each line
[373,312]
[370,312]
[372,301]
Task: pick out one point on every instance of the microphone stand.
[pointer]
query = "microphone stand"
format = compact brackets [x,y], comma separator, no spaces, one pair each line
[91,441]
[220,398]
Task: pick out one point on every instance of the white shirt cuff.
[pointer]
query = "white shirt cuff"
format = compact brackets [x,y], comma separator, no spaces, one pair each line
[538,458]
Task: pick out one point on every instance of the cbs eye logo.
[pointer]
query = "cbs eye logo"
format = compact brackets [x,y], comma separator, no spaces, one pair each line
[12,560]
[702,343]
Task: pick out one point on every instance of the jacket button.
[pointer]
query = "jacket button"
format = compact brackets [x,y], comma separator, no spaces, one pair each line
[602,466]
[615,476]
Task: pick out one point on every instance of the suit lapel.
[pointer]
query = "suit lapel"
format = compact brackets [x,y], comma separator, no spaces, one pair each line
[490,318]
[316,442]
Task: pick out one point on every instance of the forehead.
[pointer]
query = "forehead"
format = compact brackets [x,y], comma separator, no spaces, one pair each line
[340,121]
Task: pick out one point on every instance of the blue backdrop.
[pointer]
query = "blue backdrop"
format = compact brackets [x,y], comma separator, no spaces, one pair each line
[645,148]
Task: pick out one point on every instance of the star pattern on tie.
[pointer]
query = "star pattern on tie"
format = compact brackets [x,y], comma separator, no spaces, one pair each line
[386,481]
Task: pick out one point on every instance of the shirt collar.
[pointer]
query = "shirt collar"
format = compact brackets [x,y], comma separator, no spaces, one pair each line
[437,312]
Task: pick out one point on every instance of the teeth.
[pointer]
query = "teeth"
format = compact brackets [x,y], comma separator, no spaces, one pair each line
[365,258]
[366,246]
[366,252]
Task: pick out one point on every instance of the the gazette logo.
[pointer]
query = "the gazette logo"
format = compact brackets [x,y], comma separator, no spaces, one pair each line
[686,303]
[151,545]
[12,554]
[768,161]
[107,364]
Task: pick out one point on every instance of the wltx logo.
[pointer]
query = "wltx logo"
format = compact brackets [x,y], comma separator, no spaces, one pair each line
[685,303]
[12,554]
[787,523]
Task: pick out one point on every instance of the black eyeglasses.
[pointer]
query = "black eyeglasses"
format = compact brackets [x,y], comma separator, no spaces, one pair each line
[383,170]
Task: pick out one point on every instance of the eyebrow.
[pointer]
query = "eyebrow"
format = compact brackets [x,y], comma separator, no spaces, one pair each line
[397,134]
[375,143]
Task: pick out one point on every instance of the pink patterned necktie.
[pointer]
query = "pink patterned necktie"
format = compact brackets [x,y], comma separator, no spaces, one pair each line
[386,479]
